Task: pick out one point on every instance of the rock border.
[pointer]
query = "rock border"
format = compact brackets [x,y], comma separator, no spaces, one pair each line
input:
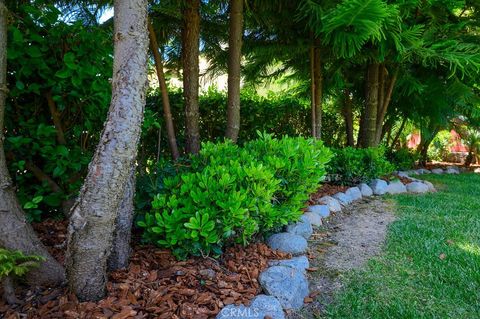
[285,282]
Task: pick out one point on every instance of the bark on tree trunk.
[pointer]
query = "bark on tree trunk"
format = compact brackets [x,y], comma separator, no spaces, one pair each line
[370,123]
[15,232]
[190,54]
[385,102]
[234,60]
[348,116]
[9,291]
[167,113]
[318,75]
[312,88]
[92,221]
[123,227]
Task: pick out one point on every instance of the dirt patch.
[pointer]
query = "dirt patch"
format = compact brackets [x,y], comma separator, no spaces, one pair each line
[345,242]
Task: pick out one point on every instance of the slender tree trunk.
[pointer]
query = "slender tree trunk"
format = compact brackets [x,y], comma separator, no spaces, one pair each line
[234,64]
[348,116]
[400,130]
[370,123]
[167,113]
[15,232]
[56,118]
[190,54]
[318,75]
[312,89]
[383,106]
[92,221]
[123,227]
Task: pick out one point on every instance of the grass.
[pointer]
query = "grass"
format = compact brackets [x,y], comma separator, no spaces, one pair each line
[430,267]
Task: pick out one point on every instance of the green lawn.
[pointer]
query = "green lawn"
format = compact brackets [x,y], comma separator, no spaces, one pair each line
[430,267]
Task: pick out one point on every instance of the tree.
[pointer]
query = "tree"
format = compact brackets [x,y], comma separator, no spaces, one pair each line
[190,56]
[15,232]
[93,216]
[234,64]
[167,113]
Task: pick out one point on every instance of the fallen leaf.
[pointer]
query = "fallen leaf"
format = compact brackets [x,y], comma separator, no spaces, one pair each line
[442,256]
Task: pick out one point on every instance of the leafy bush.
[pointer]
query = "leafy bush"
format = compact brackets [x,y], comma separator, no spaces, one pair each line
[356,165]
[403,158]
[230,193]
[16,263]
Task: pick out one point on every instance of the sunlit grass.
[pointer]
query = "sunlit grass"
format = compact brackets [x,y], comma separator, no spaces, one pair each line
[430,267]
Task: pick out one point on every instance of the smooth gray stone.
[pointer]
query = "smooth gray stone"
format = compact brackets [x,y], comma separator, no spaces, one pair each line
[354,193]
[288,243]
[315,219]
[396,187]
[437,171]
[333,204]
[303,227]
[430,186]
[343,198]
[417,188]
[322,210]
[402,174]
[299,263]
[379,186]
[287,284]
[452,171]
[365,189]
[261,307]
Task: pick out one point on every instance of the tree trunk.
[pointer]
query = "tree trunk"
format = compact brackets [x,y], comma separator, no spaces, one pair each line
[190,54]
[312,89]
[234,63]
[167,113]
[348,116]
[92,221]
[9,291]
[123,227]
[400,130]
[385,102]
[318,75]
[15,232]
[370,122]
[57,122]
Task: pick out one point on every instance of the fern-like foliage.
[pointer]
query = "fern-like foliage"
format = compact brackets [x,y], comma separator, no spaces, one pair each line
[16,263]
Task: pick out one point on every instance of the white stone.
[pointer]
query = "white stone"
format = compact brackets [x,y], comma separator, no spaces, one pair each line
[322,210]
[437,171]
[396,187]
[300,263]
[417,187]
[354,193]
[430,186]
[365,189]
[303,227]
[288,243]
[333,204]
[315,219]
[379,186]
[343,198]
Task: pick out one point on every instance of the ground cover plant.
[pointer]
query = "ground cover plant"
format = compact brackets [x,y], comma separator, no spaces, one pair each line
[430,265]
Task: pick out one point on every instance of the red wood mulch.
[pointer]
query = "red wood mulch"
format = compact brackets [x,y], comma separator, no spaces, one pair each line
[155,285]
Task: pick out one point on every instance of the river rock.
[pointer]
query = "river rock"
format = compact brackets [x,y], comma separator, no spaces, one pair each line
[288,243]
[365,189]
[396,187]
[343,198]
[437,171]
[417,187]
[303,227]
[354,193]
[287,284]
[299,263]
[379,186]
[322,210]
[262,306]
[313,218]
[333,204]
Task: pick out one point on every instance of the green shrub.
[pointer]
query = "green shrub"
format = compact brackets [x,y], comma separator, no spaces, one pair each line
[403,158]
[356,165]
[16,263]
[230,193]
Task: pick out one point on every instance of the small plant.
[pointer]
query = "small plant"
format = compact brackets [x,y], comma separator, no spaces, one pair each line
[356,165]
[403,158]
[14,264]
[229,194]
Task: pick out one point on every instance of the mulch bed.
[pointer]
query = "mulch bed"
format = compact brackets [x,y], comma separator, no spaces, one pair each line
[155,285]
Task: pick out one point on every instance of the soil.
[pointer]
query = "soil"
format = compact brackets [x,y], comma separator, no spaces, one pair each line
[346,241]
[326,190]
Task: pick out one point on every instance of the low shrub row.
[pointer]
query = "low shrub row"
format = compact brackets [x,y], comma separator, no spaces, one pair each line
[228,194]
[350,166]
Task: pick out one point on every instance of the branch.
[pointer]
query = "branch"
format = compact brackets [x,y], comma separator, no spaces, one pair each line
[56,118]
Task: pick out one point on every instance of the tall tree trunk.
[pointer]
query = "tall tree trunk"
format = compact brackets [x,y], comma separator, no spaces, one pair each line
[312,89]
[190,54]
[370,123]
[348,116]
[15,232]
[318,76]
[167,113]
[234,63]
[121,250]
[93,216]
[385,101]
